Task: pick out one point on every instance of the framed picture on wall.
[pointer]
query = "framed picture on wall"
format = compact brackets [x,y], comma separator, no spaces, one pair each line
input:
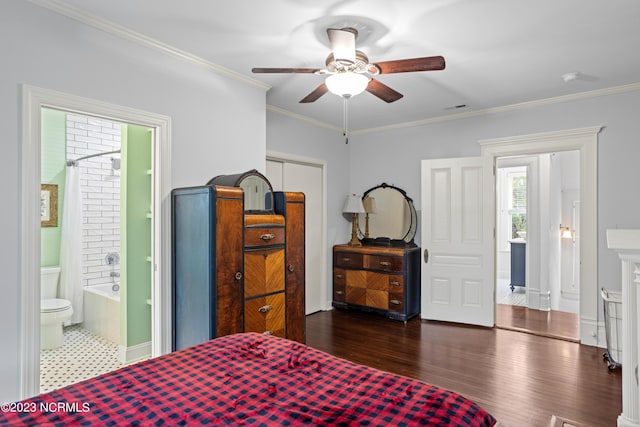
[48,205]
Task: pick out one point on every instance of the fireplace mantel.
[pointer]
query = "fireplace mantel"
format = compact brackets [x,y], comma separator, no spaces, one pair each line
[626,243]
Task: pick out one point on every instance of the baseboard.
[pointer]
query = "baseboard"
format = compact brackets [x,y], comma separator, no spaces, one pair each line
[562,422]
[134,353]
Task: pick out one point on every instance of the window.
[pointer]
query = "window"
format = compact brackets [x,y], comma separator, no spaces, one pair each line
[512,202]
[517,207]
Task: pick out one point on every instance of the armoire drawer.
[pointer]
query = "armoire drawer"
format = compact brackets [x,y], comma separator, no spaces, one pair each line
[263,271]
[348,259]
[263,236]
[265,315]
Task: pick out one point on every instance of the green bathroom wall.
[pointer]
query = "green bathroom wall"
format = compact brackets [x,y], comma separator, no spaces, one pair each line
[52,171]
[135,235]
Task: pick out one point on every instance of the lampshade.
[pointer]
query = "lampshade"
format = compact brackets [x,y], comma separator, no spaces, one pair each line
[369,205]
[347,84]
[353,204]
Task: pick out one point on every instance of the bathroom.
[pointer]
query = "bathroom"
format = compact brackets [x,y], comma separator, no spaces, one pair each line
[95,246]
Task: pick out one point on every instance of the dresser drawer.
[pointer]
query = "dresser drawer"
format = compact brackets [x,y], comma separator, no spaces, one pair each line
[339,280]
[396,301]
[265,315]
[263,236]
[339,292]
[347,259]
[396,283]
[384,263]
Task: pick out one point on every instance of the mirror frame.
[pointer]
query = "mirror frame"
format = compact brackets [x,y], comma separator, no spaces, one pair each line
[236,181]
[407,239]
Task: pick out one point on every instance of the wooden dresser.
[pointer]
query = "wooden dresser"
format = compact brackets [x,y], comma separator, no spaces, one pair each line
[236,271]
[381,279]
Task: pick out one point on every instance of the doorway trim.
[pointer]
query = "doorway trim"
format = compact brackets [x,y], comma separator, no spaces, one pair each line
[584,140]
[33,100]
[291,158]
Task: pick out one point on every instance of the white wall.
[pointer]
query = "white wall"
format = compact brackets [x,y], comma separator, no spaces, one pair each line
[218,123]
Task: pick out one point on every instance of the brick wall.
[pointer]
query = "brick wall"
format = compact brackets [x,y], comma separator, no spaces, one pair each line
[100,187]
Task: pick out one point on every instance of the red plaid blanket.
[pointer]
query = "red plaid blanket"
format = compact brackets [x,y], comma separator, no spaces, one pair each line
[247,379]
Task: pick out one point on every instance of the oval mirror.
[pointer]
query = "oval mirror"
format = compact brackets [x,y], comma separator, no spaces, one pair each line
[390,216]
[258,193]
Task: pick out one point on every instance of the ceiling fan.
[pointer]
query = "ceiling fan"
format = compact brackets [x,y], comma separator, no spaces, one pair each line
[349,70]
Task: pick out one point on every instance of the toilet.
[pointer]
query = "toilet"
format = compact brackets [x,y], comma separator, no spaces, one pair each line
[53,311]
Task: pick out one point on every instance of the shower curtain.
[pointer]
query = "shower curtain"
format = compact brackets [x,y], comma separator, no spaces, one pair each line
[71,244]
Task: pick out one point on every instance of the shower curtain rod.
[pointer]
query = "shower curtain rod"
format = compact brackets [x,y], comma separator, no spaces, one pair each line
[75,162]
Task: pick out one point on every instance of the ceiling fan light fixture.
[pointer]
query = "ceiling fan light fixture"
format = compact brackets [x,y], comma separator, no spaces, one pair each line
[347,84]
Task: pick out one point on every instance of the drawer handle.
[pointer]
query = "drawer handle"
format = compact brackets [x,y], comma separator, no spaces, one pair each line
[291,268]
[238,275]
[267,236]
[339,292]
[395,302]
[268,332]
[346,259]
[265,308]
[394,283]
[385,263]
[339,276]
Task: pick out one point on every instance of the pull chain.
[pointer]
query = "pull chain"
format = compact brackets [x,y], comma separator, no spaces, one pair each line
[345,105]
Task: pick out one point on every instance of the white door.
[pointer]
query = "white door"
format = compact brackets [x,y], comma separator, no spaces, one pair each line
[458,208]
[291,176]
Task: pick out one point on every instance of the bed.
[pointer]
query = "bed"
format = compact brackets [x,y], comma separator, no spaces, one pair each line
[247,379]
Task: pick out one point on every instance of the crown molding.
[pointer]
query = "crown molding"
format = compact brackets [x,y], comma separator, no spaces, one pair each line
[140,39]
[302,118]
[460,116]
[505,108]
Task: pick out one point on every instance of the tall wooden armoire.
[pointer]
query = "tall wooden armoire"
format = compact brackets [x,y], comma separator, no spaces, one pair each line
[238,260]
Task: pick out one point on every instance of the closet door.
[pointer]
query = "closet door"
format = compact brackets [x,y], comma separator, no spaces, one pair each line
[308,179]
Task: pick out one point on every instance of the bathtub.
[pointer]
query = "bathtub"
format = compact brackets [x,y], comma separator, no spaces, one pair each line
[102,312]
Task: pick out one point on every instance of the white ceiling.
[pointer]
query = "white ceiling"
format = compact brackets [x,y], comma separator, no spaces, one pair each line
[497,52]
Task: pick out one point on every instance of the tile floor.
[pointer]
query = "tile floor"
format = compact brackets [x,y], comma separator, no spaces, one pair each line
[83,355]
[504,295]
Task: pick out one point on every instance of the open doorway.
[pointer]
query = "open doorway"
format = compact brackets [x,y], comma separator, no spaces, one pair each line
[96,276]
[158,255]
[537,244]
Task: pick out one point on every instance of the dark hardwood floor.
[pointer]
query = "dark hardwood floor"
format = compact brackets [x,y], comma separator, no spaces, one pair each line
[521,378]
[554,324]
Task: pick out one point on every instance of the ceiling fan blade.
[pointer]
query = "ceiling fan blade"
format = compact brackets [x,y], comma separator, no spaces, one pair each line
[383,91]
[317,93]
[343,45]
[286,70]
[428,63]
